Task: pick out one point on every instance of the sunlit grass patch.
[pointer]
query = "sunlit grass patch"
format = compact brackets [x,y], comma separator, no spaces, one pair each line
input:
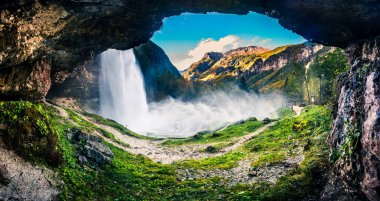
[90,127]
[226,161]
[235,130]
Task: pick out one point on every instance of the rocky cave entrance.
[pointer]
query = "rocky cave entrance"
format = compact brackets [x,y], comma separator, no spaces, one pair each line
[65,34]
[219,76]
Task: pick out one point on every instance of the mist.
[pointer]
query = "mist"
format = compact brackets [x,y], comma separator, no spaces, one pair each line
[123,98]
[176,118]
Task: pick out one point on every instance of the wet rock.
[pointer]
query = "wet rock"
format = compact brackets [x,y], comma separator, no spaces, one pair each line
[252,119]
[211,149]
[4,175]
[215,135]
[356,126]
[92,151]
[266,121]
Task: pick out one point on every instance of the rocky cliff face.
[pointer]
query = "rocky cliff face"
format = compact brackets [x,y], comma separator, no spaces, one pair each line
[161,78]
[196,69]
[355,140]
[295,53]
[26,81]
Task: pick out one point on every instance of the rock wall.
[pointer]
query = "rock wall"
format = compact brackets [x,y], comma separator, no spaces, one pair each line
[355,139]
[20,180]
[29,81]
[71,32]
[161,77]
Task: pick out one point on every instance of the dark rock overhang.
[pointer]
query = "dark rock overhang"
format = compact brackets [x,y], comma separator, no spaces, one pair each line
[71,31]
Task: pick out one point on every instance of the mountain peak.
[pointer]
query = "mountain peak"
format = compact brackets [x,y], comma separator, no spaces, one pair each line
[212,55]
[250,50]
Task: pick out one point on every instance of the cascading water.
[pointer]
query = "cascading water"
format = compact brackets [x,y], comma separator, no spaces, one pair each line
[121,84]
[123,98]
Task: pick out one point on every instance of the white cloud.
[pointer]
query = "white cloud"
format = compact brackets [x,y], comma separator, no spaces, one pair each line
[224,44]
[261,41]
[209,45]
[265,41]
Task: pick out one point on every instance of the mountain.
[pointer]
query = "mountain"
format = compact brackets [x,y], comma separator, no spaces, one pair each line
[259,69]
[214,63]
[245,51]
[196,69]
[161,77]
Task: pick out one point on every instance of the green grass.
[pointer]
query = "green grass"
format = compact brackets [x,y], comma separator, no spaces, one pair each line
[285,112]
[90,127]
[135,177]
[226,161]
[115,125]
[235,130]
[285,139]
[269,148]
[271,158]
[289,134]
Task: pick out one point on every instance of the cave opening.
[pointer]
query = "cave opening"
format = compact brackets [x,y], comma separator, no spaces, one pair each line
[78,155]
[203,72]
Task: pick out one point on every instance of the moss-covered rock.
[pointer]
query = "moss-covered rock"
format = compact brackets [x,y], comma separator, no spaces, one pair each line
[28,131]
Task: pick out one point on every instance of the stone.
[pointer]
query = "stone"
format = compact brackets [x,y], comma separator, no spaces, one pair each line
[91,150]
[252,173]
[357,120]
[266,121]
[21,180]
[211,149]
[4,175]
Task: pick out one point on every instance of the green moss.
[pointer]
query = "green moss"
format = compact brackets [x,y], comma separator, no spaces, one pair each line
[271,158]
[29,132]
[226,161]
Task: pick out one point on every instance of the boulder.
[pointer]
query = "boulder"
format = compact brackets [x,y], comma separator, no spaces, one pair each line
[91,150]
[211,149]
[266,121]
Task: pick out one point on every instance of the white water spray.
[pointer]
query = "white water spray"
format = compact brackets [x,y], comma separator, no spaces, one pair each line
[123,98]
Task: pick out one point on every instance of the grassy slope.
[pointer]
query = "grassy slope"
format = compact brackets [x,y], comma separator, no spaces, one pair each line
[134,177]
[280,141]
[115,125]
[235,130]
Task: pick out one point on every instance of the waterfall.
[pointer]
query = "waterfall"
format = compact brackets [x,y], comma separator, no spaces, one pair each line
[123,99]
[121,85]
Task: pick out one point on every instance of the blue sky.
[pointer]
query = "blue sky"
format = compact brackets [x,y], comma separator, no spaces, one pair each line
[186,38]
